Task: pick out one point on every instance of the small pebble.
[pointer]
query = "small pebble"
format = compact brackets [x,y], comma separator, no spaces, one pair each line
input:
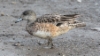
[75,8]
[29,49]
[2,14]
[11,24]
[18,44]
[13,38]
[5,43]
[96,29]
[13,2]
[99,44]
[3,49]
[39,43]
[4,6]
[61,54]
[79,0]
[3,31]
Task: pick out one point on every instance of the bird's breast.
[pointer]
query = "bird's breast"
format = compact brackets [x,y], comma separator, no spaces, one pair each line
[42,34]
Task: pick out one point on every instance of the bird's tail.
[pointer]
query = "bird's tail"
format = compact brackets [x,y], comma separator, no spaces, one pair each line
[66,27]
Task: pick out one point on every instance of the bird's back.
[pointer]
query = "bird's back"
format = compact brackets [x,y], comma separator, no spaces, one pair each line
[56,18]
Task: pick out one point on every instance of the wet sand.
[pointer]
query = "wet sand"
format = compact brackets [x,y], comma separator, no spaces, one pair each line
[83,41]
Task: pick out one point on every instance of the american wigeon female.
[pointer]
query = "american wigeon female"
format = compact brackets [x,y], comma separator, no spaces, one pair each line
[49,26]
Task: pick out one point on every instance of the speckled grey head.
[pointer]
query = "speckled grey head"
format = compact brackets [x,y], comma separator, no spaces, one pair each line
[28,15]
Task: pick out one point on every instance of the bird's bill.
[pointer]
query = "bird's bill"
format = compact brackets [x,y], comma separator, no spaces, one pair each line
[18,20]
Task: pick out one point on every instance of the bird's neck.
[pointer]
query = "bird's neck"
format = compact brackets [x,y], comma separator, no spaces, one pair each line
[31,20]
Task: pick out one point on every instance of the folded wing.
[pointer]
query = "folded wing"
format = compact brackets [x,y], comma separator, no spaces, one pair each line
[57,19]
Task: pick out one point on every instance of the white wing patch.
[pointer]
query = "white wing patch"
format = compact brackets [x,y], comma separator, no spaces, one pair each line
[42,34]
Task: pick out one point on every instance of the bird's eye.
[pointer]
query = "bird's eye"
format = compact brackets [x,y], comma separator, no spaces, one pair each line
[25,13]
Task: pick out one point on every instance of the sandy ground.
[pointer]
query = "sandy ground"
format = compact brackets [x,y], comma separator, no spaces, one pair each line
[77,42]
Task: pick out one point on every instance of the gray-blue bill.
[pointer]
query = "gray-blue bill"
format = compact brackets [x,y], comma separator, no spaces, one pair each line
[20,19]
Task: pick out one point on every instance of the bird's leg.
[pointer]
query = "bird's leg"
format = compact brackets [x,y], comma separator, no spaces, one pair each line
[50,43]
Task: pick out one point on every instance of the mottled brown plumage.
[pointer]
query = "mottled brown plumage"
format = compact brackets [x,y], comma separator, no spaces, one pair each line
[56,18]
[49,26]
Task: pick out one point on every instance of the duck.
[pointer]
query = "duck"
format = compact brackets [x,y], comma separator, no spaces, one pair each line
[49,26]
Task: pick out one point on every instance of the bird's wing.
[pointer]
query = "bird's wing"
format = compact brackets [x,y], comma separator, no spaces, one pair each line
[56,18]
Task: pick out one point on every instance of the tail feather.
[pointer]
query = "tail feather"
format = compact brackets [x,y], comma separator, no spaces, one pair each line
[69,18]
[72,15]
[64,27]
